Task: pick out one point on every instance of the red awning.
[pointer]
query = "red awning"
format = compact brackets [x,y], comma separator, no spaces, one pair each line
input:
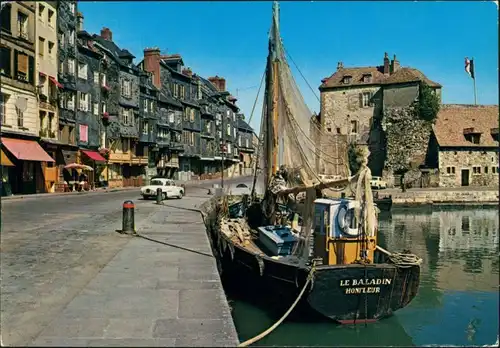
[55,82]
[93,155]
[26,150]
[42,74]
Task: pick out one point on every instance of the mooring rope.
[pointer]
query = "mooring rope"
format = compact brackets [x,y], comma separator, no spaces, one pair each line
[275,325]
[402,260]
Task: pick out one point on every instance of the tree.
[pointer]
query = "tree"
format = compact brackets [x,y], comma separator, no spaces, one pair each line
[355,155]
[428,103]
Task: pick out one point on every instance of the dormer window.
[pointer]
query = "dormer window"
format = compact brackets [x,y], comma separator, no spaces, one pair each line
[367,78]
[472,136]
[347,79]
[494,133]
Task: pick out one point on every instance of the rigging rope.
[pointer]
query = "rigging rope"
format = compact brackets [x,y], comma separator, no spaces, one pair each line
[287,313]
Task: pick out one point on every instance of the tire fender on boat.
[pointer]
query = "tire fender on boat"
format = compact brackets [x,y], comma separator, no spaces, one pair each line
[342,219]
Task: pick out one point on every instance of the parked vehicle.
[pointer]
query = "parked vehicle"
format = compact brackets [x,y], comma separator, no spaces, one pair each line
[168,187]
[377,183]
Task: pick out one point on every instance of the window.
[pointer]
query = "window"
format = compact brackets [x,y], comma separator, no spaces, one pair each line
[3,103]
[82,70]
[228,128]
[494,170]
[126,88]
[354,127]
[239,140]
[191,115]
[476,170]
[22,25]
[347,79]
[96,109]
[22,66]
[126,116]
[151,106]
[367,78]
[228,150]
[366,99]
[51,48]
[5,59]
[71,102]
[485,170]
[171,117]
[96,77]
[41,12]
[71,66]
[5,17]
[145,102]
[247,142]
[41,46]
[51,18]
[103,108]
[450,170]
[71,39]
[145,127]
[61,38]
[84,129]
[338,130]
[20,118]
[71,7]
[49,124]
[103,82]
[83,101]
[174,88]
[219,133]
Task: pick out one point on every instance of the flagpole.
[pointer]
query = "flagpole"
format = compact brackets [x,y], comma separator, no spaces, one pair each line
[474,80]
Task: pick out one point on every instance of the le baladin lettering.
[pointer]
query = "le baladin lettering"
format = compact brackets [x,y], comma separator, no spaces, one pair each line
[354,284]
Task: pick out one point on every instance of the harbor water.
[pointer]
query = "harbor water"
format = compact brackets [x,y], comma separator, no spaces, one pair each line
[458,299]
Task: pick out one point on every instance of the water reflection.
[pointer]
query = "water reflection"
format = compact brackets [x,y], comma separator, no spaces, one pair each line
[457,302]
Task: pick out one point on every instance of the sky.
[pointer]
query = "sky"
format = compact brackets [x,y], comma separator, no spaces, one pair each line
[230,39]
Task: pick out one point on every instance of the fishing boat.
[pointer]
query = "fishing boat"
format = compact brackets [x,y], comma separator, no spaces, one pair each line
[297,243]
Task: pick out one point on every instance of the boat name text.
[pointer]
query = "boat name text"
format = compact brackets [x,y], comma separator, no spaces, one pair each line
[350,283]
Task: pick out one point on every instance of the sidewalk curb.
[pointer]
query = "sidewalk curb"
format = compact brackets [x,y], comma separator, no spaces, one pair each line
[117,189]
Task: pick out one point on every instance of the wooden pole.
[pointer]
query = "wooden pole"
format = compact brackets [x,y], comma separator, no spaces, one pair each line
[474,80]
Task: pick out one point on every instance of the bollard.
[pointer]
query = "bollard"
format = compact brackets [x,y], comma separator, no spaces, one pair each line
[158,195]
[128,224]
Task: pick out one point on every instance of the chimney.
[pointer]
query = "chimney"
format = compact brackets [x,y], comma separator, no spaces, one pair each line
[152,64]
[187,72]
[340,65]
[106,34]
[386,64]
[79,19]
[394,65]
[218,82]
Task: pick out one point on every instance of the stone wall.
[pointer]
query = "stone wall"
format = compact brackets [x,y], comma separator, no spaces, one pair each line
[407,138]
[432,196]
[452,163]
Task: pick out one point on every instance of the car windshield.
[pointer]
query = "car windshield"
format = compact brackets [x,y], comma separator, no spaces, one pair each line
[156,182]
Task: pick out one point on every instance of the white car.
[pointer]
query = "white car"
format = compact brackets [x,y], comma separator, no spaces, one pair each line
[377,183]
[168,188]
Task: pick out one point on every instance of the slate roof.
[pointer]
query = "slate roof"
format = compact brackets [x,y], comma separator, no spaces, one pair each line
[115,51]
[243,125]
[402,75]
[453,119]
[169,100]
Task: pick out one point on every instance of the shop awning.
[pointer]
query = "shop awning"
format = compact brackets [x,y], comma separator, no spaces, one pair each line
[94,155]
[5,161]
[26,150]
[55,82]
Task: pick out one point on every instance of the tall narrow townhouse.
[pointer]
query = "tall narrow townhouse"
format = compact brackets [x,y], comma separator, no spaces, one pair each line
[22,172]
[67,57]
[90,85]
[122,102]
[48,87]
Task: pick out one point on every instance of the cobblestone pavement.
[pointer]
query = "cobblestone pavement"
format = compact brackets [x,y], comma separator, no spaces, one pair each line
[67,277]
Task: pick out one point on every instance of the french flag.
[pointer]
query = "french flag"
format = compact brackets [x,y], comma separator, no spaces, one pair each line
[469,66]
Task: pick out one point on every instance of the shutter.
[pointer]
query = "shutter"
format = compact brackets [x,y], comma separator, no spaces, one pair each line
[360,100]
[371,99]
[89,102]
[15,63]
[31,67]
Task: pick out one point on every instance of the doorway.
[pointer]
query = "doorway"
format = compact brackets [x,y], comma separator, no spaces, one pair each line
[465,177]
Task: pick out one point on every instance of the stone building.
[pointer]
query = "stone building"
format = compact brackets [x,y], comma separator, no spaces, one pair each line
[48,87]
[353,100]
[148,113]
[127,160]
[19,105]
[90,85]
[463,145]
[245,146]
[67,58]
